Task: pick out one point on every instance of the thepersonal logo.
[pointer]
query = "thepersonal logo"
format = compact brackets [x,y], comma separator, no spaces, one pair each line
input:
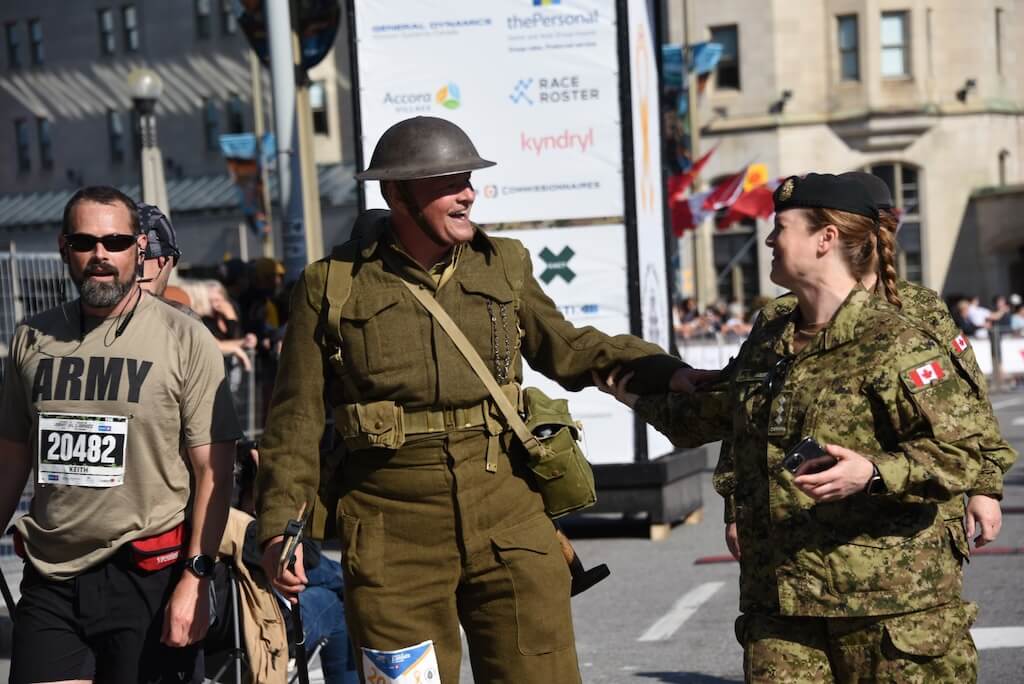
[541,19]
[565,141]
[449,96]
[542,3]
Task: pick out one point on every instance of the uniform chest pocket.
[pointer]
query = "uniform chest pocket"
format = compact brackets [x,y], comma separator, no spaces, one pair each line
[487,314]
[375,327]
[754,398]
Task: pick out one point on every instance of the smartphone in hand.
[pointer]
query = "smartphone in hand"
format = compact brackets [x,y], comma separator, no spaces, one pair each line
[807,457]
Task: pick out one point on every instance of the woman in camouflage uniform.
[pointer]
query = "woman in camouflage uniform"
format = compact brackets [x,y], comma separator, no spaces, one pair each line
[851,573]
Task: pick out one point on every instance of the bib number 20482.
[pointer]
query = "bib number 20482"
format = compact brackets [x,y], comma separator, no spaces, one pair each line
[82,450]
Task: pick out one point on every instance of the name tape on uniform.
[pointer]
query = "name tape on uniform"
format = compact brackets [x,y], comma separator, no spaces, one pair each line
[412,665]
[81,450]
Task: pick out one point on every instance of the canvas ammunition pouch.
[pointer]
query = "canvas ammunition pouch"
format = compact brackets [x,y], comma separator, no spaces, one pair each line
[562,473]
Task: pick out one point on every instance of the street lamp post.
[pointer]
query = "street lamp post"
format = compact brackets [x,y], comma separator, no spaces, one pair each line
[145,87]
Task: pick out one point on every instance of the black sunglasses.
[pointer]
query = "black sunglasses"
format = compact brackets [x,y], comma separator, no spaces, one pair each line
[81,242]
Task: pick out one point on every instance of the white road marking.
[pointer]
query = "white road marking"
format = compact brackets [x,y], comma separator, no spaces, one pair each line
[1007,403]
[686,606]
[998,637]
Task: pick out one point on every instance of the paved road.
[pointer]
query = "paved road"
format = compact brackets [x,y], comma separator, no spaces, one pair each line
[661,619]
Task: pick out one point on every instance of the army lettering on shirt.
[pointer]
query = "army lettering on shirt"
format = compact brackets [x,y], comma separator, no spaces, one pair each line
[97,378]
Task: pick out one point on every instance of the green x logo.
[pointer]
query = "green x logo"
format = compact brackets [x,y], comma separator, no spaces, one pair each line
[557,265]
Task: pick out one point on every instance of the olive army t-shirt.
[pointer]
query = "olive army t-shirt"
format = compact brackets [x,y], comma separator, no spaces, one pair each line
[107,418]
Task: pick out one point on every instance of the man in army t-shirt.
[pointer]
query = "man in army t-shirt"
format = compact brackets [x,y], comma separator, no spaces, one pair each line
[102,397]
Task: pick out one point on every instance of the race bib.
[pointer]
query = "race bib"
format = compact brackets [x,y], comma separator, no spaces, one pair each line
[413,665]
[87,451]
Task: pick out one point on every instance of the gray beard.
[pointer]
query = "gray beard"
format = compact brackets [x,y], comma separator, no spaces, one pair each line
[103,295]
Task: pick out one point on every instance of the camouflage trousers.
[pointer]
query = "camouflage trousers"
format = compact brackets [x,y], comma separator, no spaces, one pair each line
[928,646]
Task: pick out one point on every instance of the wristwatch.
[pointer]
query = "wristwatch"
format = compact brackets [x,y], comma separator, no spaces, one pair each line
[875,485]
[201,566]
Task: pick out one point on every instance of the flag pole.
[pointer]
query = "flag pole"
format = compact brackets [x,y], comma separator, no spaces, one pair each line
[703,236]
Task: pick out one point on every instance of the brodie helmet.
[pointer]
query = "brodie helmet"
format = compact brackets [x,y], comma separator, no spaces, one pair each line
[422,147]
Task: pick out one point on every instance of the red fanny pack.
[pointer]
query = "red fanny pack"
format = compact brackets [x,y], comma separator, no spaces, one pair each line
[160,550]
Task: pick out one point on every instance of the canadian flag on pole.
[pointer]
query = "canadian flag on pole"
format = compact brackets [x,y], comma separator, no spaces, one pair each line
[926,374]
[959,344]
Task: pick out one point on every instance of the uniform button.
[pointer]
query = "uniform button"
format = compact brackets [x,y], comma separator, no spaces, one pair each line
[379,424]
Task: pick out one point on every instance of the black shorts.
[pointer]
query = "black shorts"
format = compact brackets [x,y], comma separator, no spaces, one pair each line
[104,625]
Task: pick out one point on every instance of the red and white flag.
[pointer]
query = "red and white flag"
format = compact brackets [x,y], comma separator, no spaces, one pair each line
[959,344]
[926,374]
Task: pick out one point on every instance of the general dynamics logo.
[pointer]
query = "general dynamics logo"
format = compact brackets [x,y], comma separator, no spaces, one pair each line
[448,96]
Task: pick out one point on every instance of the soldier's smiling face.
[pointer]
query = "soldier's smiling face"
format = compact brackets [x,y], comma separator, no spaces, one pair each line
[446,202]
[794,248]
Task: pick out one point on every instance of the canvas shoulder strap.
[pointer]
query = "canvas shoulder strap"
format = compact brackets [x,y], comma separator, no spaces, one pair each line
[532,444]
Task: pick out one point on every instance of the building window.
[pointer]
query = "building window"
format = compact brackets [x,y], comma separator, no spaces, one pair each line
[903,182]
[45,143]
[107,42]
[21,143]
[849,48]
[211,125]
[236,115]
[228,20]
[728,70]
[999,41]
[115,131]
[895,54]
[318,103]
[13,45]
[35,41]
[131,28]
[202,18]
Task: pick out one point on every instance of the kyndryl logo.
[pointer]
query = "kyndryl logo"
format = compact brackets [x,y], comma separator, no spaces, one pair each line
[566,140]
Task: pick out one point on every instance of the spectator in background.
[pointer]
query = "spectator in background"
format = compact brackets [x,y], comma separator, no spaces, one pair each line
[1017,320]
[222,321]
[736,323]
[958,308]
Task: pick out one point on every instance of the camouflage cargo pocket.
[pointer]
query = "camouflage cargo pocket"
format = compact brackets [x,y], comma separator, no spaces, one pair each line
[930,632]
[911,565]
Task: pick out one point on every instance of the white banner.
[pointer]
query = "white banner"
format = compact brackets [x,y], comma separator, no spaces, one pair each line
[583,271]
[650,216]
[535,86]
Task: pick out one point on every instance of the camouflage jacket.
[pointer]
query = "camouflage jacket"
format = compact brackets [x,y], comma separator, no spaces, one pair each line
[676,418]
[874,383]
[394,351]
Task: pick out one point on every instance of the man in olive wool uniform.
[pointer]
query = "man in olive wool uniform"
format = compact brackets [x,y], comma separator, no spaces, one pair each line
[441,523]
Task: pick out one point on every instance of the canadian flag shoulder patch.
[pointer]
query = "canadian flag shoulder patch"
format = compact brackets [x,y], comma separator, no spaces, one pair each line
[960,344]
[924,375]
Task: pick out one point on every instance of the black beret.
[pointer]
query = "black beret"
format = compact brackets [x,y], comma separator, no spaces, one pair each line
[825,191]
[877,188]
